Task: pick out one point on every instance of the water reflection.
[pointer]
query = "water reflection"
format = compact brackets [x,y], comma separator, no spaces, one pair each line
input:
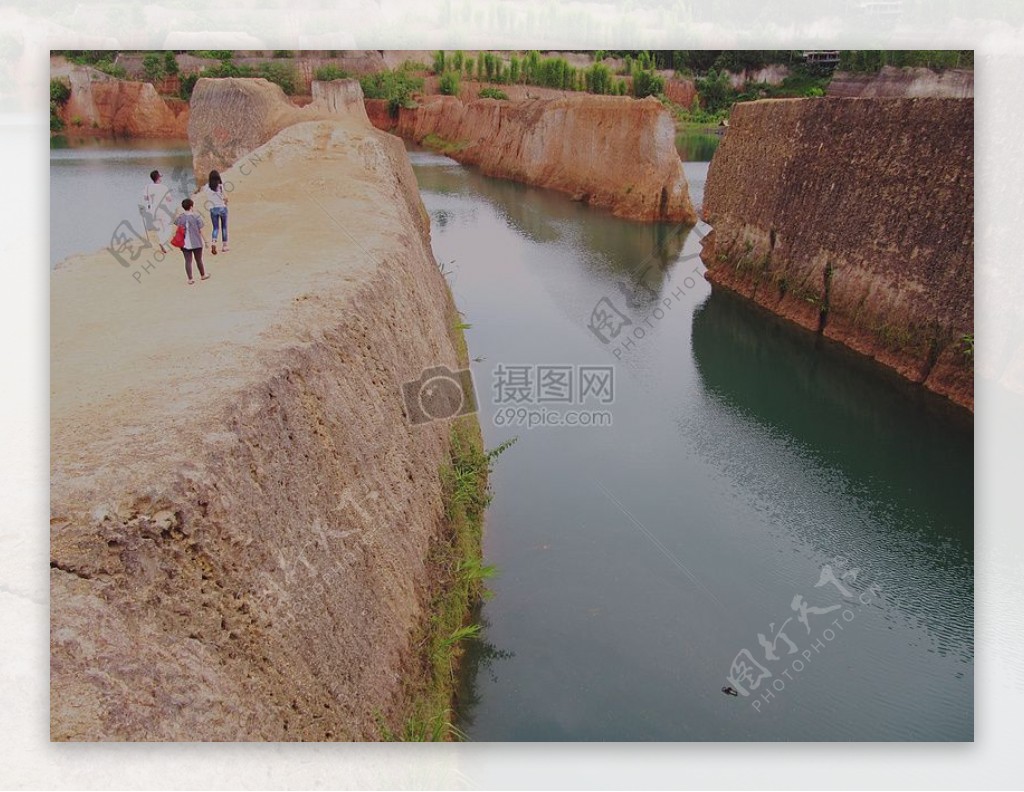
[697,146]
[480,656]
[901,457]
[851,415]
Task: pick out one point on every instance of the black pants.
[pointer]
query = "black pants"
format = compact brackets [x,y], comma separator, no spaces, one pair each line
[188,261]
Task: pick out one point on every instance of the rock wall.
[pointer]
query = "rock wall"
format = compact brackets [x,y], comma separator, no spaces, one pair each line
[682,92]
[118,107]
[231,116]
[854,218]
[242,516]
[908,83]
[772,74]
[612,152]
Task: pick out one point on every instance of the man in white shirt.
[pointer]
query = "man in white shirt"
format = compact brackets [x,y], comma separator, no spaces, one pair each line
[158,209]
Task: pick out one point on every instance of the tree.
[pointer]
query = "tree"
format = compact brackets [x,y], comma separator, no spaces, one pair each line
[450,83]
[153,66]
[715,91]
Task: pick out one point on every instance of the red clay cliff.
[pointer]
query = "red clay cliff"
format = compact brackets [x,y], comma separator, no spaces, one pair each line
[611,152]
[855,218]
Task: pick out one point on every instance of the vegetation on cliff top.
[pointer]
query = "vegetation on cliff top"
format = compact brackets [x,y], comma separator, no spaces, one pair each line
[873,60]
[279,73]
[396,86]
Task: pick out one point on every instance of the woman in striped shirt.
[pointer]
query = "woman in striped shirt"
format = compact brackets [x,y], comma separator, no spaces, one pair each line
[194,239]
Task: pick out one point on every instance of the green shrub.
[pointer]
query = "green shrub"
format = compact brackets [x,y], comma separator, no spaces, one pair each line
[330,72]
[282,74]
[715,91]
[60,92]
[221,55]
[514,70]
[493,93]
[450,83]
[491,63]
[397,87]
[469,68]
[111,68]
[56,124]
[814,91]
[90,57]
[188,84]
[874,60]
[439,62]
[284,53]
[153,66]
[531,65]
[170,63]
[647,83]
[598,79]
[457,60]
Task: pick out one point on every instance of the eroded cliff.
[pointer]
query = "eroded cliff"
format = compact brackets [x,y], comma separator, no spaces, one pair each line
[612,152]
[99,103]
[854,218]
[231,116]
[243,520]
[904,83]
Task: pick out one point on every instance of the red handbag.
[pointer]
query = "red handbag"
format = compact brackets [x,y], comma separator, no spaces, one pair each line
[178,240]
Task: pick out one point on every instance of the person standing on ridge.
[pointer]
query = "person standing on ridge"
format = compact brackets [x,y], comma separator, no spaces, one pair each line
[194,239]
[217,204]
[158,210]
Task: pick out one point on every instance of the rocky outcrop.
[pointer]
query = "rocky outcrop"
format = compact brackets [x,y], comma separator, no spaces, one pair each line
[99,103]
[344,97]
[906,83]
[611,152]
[682,92]
[231,116]
[854,218]
[242,515]
[772,74]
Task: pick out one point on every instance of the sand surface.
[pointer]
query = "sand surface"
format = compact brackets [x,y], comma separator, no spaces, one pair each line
[133,350]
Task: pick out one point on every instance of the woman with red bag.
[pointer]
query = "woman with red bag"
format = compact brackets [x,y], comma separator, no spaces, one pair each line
[190,234]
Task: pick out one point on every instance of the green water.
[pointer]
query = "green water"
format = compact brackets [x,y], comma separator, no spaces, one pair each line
[698,145]
[638,560]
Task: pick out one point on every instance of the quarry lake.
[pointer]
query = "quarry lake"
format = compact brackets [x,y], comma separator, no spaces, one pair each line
[754,481]
[765,512]
[96,183]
